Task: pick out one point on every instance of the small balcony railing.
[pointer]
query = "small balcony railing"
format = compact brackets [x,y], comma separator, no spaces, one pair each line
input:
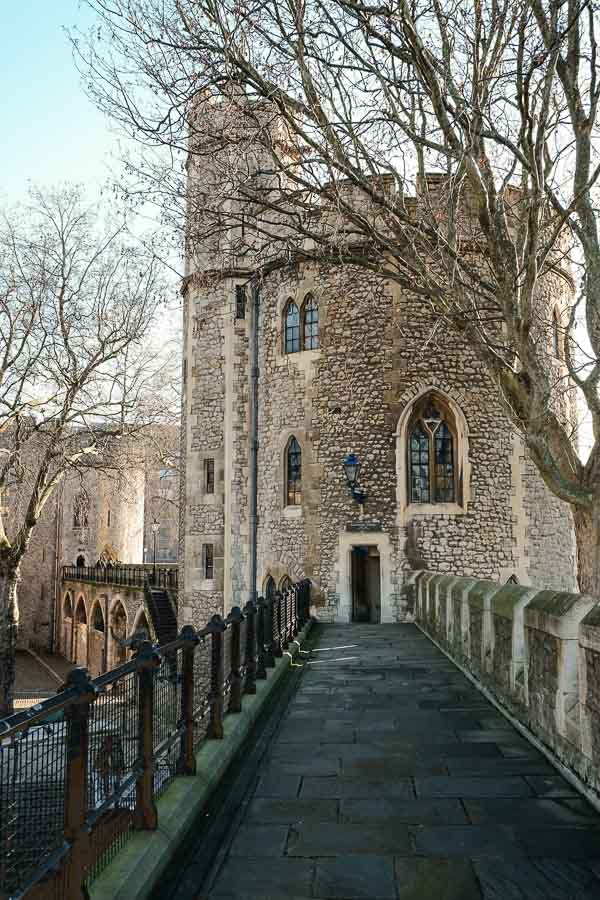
[124,576]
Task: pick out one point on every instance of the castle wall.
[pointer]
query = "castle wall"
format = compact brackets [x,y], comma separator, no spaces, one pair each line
[378,352]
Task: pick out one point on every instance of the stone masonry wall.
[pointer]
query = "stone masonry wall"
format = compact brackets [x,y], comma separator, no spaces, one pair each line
[378,352]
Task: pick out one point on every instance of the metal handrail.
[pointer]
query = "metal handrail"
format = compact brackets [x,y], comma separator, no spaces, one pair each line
[160,699]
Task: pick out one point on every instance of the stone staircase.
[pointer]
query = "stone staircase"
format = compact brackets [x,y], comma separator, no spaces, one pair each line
[161,614]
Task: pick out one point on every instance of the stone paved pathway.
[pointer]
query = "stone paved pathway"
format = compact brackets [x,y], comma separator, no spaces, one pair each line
[392,778]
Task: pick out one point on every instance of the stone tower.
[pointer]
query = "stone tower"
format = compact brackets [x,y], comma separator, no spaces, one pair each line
[345,364]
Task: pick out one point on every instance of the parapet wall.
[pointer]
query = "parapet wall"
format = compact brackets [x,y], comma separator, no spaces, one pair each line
[537,652]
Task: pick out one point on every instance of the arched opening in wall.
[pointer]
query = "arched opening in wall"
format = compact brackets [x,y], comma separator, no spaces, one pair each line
[80,634]
[291,325]
[310,321]
[96,639]
[285,584]
[141,629]
[293,473]
[269,588]
[118,635]
[66,633]
[80,561]
[97,618]
[432,461]
[432,452]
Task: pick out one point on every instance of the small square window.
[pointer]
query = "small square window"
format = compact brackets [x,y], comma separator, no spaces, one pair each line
[209,476]
[240,301]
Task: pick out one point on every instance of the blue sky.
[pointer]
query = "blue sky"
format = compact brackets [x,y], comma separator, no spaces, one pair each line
[52,133]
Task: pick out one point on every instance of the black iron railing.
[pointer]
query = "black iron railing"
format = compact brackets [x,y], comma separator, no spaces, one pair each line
[125,576]
[80,771]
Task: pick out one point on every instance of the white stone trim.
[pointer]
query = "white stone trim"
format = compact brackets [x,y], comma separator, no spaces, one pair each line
[343,572]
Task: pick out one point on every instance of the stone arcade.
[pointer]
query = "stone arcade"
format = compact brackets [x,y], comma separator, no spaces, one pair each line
[348,362]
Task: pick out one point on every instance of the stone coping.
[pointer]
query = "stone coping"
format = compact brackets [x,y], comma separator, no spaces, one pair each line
[558,614]
[136,869]
[510,600]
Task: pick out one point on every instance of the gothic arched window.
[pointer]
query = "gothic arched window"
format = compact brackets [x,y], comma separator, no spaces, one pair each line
[97,618]
[286,584]
[310,314]
[293,472]
[431,453]
[270,588]
[292,328]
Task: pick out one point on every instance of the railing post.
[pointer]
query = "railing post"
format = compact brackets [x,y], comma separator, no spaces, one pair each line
[277,642]
[144,814]
[250,613]
[77,716]
[286,620]
[235,618]
[269,633]
[216,628]
[261,671]
[186,764]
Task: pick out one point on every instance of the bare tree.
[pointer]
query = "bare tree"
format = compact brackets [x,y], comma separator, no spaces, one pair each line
[337,99]
[76,304]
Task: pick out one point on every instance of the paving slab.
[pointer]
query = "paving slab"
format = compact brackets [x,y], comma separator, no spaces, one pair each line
[393,811]
[340,786]
[540,879]
[562,811]
[465,786]
[349,840]
[361,877]
[436,879]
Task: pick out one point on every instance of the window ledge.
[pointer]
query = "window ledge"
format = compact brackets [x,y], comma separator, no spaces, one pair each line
[434,509]
[292,512]
[207,584]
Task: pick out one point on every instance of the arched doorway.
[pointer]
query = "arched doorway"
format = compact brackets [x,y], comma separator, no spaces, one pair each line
[118,634]
[96,638]
[80,636]
[141,629]
[66,632]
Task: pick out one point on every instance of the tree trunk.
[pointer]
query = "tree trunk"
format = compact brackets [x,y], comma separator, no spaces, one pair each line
[587,536]
[9,619]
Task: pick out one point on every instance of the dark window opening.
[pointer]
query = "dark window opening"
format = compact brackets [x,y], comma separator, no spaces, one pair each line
[270,588]
[209,476]
[240,301]
[108,519]
[294,473]
[292,328]
[209,565]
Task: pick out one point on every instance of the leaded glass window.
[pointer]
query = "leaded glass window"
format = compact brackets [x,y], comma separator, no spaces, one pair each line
[294,473]
[419,465]
[292,328]
[444,464]
[431,454]
[311,323]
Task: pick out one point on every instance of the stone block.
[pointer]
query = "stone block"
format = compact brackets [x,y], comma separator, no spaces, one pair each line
[509,675]
[589,689]
[481,627]
[552,649]
[458,619]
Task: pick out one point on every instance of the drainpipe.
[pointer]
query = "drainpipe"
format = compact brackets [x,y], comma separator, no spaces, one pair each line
[253,482]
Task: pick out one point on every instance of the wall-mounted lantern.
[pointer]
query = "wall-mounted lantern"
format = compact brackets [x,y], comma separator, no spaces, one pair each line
[352,467]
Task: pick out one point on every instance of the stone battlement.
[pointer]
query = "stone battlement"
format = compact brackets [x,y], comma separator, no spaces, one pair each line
[536,652]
